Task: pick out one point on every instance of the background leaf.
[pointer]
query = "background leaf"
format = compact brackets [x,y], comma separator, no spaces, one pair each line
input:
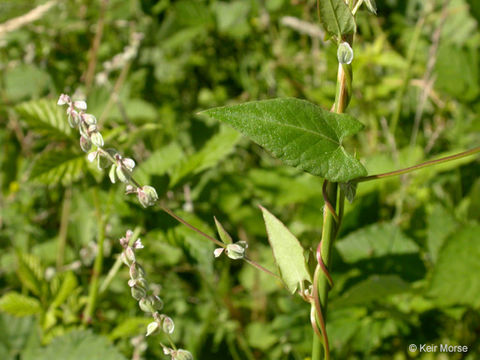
[455,276]
[77,345]
[58,166]
[45,117]
[287,251]
[299,133]
[336,17]
[19,305]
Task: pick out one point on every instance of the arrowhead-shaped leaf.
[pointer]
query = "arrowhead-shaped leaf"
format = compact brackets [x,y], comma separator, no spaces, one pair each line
[299,133]
[287,251]
[336,17]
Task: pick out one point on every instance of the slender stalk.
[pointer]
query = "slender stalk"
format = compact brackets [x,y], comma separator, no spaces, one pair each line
[419,166]
[98,265]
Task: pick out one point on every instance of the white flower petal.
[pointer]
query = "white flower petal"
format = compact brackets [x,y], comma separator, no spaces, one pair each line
[80,104]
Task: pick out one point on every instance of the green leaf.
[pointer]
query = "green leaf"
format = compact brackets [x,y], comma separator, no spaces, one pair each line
[30,272]
[299,133]
[374,241]
[129,328]
[287,251]
[68,285]
[45,117]
[214,150]
[224,235]
[54,167]
[375,288]
[77,345]
[19,305]
[455,277]
[336,17]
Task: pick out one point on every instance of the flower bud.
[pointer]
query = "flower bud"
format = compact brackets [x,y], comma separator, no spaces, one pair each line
[128,163]
[168,325]
[181,354]
[146,305]
[147,195]
[157,302]
[134,274]
[218,251]
[130,254]
[89,119]
[112,174]
[236,251]
[85,143]
[138,292]
[72,117]
[92,156]
[81,105]
[122,175]
[345,53]
[152,328]
[97,138]
[63,99]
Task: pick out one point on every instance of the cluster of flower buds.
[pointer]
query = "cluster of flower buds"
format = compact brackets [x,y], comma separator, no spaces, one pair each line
[86,123]
[120,168]
[147,301]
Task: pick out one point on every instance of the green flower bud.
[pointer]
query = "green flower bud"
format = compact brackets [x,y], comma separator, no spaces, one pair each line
[122,174]
[345,53]
[168,325]
[152,328]
[138,292]
[97,138]
[85,143]
[236,251]
[181,354]
[146,305]
[112,175]
[147,195]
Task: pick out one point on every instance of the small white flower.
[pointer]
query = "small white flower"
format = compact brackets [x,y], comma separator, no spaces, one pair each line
[92,156]
[80,104]
[137,244]
[63,99]
[128,163]
[218,251]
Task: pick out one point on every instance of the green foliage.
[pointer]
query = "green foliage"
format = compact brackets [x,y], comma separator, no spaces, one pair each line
[54,167]
[288,253]
[77,345]
[19,305]
[299,133]
[398,278]
[452,282]
[336,18]
[375,241]
[45,117]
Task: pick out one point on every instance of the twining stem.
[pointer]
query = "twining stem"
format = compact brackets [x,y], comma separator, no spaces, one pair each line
[98,265]
[419,166]
[331,223]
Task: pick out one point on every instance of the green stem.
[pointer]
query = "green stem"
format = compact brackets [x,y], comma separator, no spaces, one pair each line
[420,166]
[98,265]
[331,220]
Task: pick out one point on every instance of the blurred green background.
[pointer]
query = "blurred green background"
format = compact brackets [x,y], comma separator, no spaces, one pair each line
[406,267]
